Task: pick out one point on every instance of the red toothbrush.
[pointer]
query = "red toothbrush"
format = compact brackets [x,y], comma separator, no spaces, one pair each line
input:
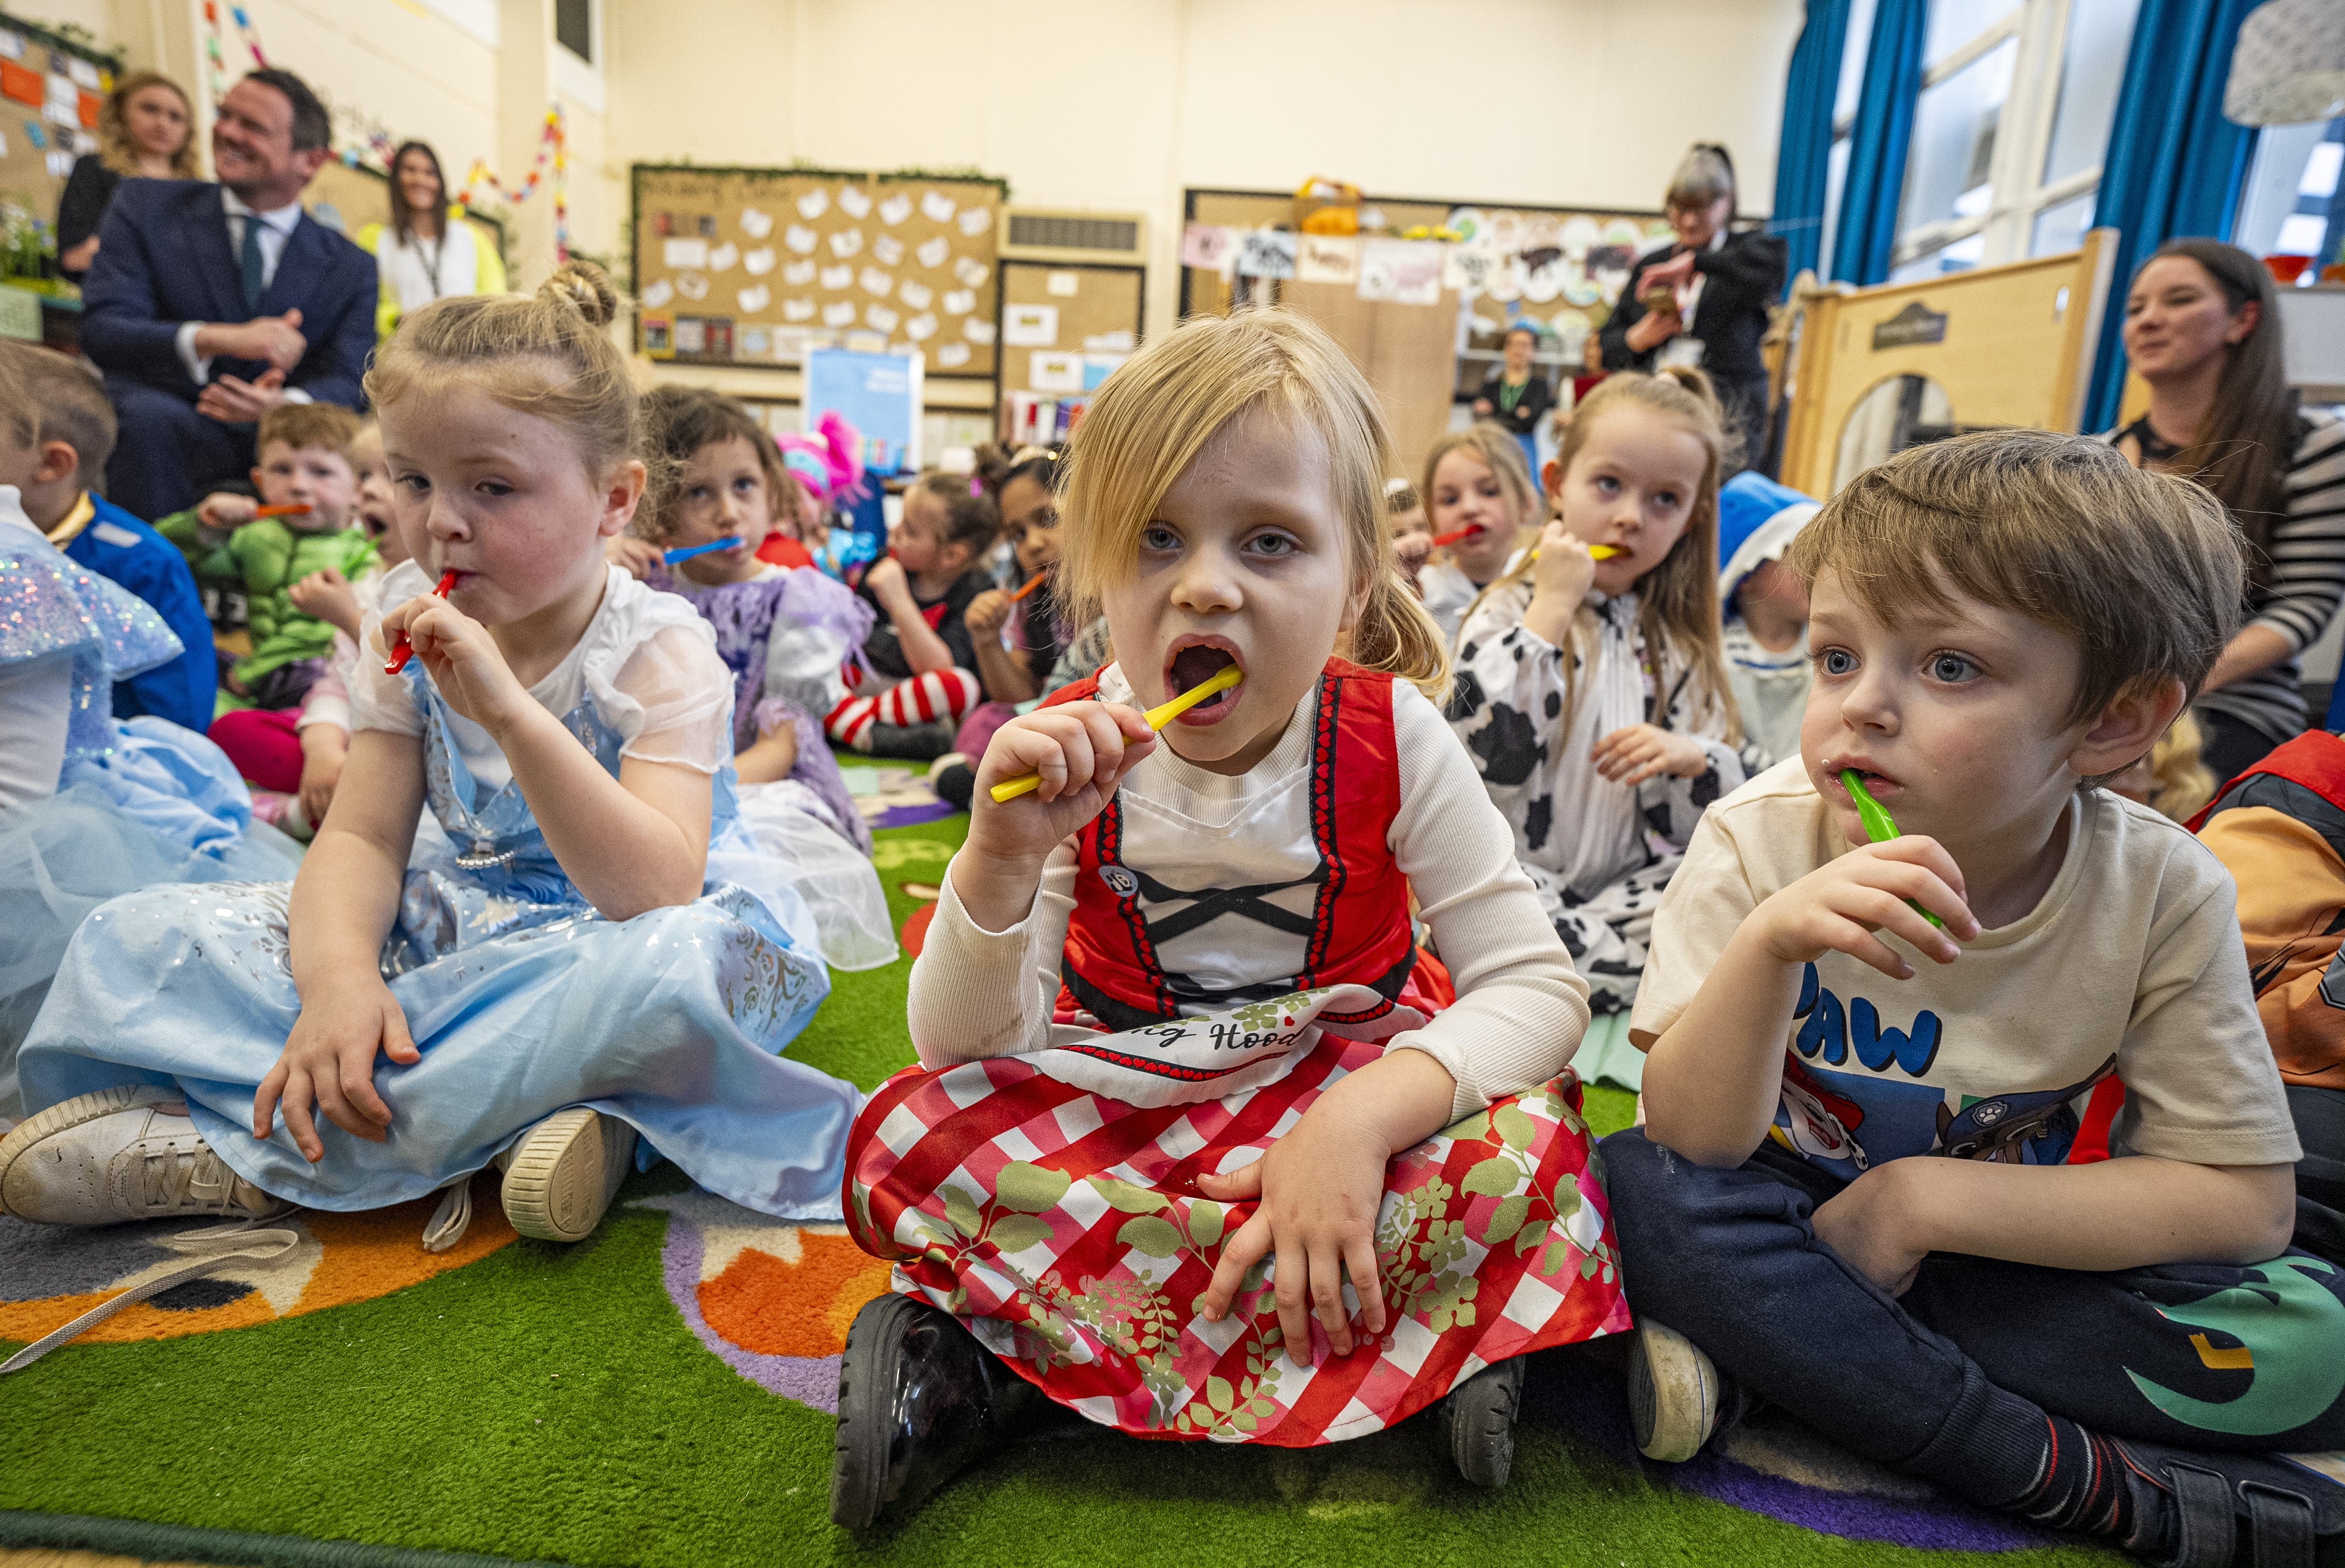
[402,650]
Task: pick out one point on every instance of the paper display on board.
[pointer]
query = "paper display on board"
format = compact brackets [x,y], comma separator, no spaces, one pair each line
[1098,368]
[674,253]
[895,209]
[977,332]
[845,242]
[798,273]
[723,257]
[1207,246]
[797,309]
[756,225]
[888,251]
[952,356]
[658,294]
[1062,283]
[876,281]
[932,252]
[839,276]
[1326,258]
[1120,341]
[692,285]
[919,296]
[1029,326]
[921,328]
[758,262]
[854,201]
[1266,253]
[976,220]
[814,204]
[971,272]
[960,302]
[753,298]
[1053,372]
[1464,268]
[797,238]
[880,319]
[937,206]
[1402,271]
[839,314]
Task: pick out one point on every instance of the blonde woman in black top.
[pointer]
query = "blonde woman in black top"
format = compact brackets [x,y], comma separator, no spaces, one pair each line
[143,132]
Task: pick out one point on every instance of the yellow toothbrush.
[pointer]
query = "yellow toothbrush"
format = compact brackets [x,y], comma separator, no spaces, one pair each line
[1597,552]
[1221,680]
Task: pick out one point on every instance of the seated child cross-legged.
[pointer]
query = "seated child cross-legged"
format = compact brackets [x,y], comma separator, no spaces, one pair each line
[2002,1201]
[596,952]
[303,460]
[1181,1066]
[919,668]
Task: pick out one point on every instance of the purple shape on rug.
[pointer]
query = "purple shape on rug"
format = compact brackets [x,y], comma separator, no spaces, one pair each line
[812,1380]
[1577,1394]
[913,815]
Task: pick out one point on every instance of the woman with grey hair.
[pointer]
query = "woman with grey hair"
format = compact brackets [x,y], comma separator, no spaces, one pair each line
[1702,299]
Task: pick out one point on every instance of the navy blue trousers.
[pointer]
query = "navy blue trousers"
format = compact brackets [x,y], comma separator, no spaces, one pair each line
[1953,1381]
[168,457]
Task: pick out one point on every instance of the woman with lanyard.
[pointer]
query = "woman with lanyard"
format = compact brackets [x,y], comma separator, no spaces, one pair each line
[426,251]
[1518,395]
[2202,330]
[1703,299]
[144,131]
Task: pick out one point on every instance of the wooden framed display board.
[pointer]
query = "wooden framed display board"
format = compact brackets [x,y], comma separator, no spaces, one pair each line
[51,90]
[752,266]
[1064,326]
[1880,369]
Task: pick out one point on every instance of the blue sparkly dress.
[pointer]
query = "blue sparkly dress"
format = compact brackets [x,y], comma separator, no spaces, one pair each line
[135,803]
[521,998]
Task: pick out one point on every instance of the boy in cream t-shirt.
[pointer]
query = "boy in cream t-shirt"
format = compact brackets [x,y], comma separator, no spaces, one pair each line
[2003,1203]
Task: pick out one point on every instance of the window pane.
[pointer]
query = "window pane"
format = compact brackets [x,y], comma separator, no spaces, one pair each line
[1960,256]
[2063,228]
[2092,67]
[573,28]
[1955,23]
[2293,177]
[1835,178]
[1947,165]
[1853,53]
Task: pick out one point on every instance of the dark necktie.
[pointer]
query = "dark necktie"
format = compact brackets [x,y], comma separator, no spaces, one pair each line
[251,263]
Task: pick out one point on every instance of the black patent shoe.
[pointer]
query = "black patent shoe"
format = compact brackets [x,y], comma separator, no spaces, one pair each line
[1475,1424]
[2197,1510]
[919,1400]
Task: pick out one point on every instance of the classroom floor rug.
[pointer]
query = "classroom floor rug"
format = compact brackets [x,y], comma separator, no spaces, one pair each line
[661,1396]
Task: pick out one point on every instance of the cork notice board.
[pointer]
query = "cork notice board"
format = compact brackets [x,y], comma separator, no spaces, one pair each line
[754,267]
[50,93]
[1065,327]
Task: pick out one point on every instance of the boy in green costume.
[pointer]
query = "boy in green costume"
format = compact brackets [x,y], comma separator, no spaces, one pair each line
[303,461]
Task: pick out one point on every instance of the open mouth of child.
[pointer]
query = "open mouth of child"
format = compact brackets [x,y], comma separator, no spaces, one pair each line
[1191,665]
[1878,783]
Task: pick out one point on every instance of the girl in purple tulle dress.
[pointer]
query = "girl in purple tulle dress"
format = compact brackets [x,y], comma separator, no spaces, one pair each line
[786,633]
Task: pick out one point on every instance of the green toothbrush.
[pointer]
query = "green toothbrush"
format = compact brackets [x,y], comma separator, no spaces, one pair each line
[1879,826]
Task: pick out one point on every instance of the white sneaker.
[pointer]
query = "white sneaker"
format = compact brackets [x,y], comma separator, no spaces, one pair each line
[120,1154]
[560,1176]
[1673,1393]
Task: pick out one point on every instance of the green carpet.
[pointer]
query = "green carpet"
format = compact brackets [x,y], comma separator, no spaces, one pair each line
[540,1403]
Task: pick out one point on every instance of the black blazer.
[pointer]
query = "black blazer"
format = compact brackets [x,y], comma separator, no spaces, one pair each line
[1744,276]
[163,260]
[1536,398]
[82,208]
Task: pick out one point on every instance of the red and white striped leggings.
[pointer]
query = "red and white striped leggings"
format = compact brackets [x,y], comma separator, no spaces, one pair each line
[939,694]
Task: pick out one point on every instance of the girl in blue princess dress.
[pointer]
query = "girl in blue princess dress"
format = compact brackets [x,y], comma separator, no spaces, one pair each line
[597,952]
[90,807]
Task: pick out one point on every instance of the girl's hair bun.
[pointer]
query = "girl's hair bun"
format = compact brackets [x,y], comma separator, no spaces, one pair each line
[585,288]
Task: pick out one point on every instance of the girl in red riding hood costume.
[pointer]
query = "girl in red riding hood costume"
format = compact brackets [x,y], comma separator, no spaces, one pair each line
[1201,1144]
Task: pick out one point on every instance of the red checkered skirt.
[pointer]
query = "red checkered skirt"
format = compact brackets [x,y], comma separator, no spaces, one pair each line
[1066,1231]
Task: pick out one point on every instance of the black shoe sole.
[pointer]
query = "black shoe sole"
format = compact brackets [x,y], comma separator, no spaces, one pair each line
[867,1387]
[1478,1423]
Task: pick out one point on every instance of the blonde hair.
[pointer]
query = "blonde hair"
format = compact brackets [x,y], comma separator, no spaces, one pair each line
[1677,600]
[2181,784]
[117,152]
[1501,453]
[1153,418]
[2143,569]
[1704,175]
[544,354]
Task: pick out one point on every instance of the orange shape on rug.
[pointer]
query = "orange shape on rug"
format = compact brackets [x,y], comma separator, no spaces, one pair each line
[777,1309]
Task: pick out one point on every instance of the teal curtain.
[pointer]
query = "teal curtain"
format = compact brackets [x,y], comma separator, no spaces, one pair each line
[1876,160]
[1804,158]
[2175,164]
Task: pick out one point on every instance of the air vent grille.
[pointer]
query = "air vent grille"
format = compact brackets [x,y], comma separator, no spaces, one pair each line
[1119,235]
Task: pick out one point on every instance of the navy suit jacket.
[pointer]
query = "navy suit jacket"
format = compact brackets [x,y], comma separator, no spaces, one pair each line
[164,260]
[117,545]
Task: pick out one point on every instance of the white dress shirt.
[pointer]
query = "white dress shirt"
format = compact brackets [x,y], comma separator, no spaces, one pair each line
[275,231]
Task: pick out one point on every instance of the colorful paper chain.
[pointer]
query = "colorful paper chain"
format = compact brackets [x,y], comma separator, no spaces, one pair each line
[553,144]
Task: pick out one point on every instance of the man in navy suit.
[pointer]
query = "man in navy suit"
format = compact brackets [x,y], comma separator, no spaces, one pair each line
[208,305]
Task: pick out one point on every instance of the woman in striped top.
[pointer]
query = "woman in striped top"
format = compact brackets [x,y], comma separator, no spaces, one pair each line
[2202,329]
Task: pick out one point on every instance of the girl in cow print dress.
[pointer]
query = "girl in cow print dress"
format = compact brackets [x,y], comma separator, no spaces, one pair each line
[1591,693]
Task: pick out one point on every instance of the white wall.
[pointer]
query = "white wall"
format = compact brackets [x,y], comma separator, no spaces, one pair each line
[1120,103]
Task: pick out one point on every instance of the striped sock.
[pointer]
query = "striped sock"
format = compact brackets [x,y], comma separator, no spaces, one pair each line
[939,694]
[849,723]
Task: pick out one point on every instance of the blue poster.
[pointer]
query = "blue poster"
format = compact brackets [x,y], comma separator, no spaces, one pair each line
[878,394]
